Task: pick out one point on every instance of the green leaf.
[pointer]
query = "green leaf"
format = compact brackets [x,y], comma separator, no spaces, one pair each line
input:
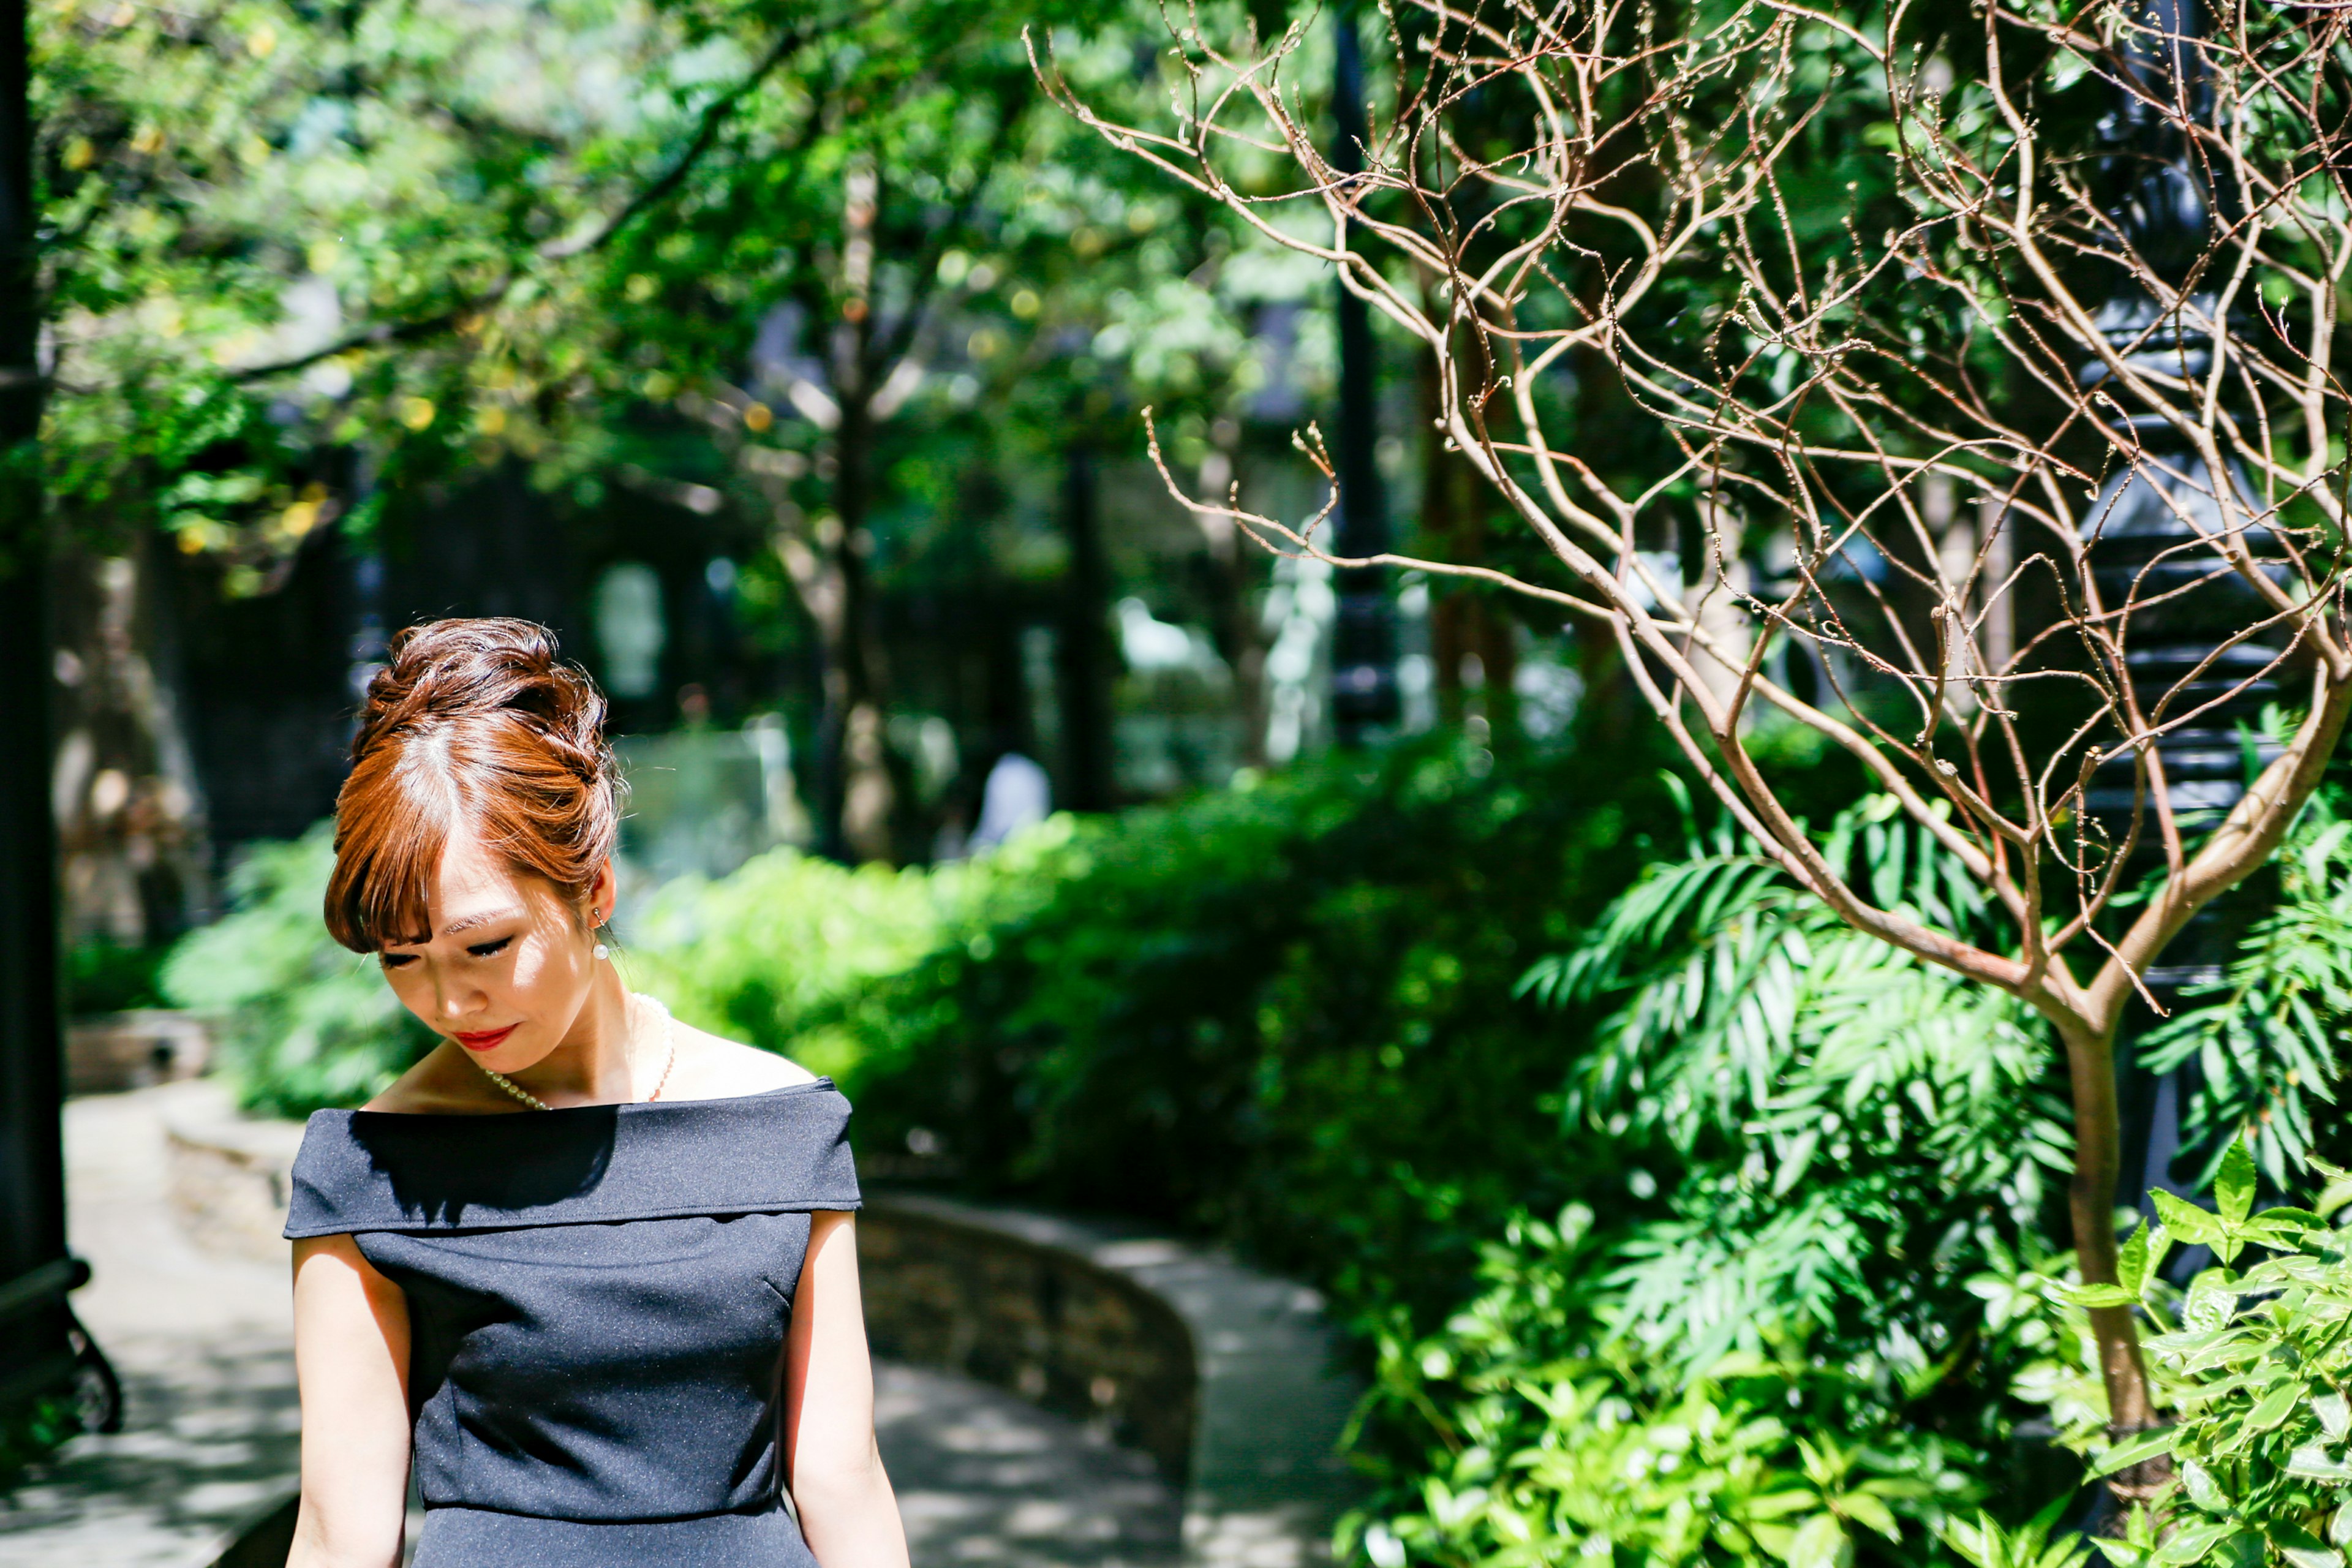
[2103,1296]
[1870,1514]
[2339,1528]
[2198,1482]
[2233,1184]
[1781,1504]
[2281,1229]
[2147,1445]
[2131,1266]
[2338,1190]
[2191,1543]
[2335,1413]
[2275,1406]
[2185,1220]
[1821,1542]
[2305,1549]
[2312,1463]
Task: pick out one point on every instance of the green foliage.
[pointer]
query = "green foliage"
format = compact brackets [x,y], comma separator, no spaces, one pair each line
[2256,1367]
[103,976]
[1279,1014]
[1556,1442]
[1791,1350]
[1984,1543]
[2269,1036]
[775,953]
[305,1023]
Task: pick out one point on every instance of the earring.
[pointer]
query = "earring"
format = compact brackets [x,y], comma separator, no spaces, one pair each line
[602,951]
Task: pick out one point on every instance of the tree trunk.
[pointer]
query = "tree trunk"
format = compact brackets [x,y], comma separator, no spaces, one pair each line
[1464,624]
[2091,1206]
[860,797]
[1233,624]
[1364,700]
[133,854]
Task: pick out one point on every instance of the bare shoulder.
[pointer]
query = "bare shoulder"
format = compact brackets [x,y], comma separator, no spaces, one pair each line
[709,1067]
[432,1087]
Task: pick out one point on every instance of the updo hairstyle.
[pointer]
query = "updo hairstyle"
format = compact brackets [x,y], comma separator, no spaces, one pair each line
[473,725]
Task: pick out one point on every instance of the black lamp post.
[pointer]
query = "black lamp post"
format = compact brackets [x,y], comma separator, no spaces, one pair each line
[2164,502]
[43,1350]
[1364,698]
[36,1329]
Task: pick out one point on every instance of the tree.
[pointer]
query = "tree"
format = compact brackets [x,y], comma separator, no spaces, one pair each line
[756,260]
[902,248]
[1918,490]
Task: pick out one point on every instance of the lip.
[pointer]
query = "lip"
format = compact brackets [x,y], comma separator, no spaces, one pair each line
[486,1039]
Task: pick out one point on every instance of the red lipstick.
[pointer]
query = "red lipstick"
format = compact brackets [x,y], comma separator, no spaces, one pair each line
[486,1039]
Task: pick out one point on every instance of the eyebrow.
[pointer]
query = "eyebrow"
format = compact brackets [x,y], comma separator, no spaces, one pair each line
[471,922]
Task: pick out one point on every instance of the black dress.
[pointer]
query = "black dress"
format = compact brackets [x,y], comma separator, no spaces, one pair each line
[598,1299]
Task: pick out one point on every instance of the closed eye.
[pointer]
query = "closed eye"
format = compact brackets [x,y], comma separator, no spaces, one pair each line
[396,960]
[490,949]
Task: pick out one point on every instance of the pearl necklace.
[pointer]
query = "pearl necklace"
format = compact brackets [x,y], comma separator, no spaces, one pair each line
[669,1060]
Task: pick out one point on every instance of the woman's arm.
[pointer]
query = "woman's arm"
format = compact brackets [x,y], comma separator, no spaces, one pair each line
[350,1358]
[835,1471]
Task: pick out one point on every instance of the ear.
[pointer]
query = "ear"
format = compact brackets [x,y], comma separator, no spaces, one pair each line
[603,894]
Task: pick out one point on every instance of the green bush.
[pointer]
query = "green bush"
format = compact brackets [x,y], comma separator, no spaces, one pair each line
[1282,1014]
[773,955]
[777,952]
[304,1022]
[1775,1348]
[2250,1369]
[1558,1445]
[104,976]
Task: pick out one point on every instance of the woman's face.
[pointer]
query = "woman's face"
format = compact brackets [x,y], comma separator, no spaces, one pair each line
[508,964]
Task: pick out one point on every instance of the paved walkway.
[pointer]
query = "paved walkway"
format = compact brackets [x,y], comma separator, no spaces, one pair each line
[202,1341]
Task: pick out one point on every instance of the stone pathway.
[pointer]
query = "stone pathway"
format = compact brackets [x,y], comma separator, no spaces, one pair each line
[984,1478]
[203,1344]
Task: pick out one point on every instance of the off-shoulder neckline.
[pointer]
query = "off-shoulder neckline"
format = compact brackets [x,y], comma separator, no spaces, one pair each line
[814,1085]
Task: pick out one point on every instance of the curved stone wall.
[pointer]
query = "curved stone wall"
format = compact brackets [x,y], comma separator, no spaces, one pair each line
[1230,1378]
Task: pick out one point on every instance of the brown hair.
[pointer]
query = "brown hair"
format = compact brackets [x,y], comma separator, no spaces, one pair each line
[473,725]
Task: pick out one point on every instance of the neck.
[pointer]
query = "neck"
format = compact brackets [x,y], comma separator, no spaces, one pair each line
[592,1063]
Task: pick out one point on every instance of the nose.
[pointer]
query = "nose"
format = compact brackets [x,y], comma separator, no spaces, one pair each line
[455,998]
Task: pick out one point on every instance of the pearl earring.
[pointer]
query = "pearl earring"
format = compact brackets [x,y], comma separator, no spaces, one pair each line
[602,951]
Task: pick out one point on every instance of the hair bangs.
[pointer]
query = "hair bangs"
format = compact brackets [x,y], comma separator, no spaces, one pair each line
[391,827]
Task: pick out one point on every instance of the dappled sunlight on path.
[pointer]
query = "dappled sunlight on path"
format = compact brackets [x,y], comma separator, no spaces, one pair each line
[984,1478]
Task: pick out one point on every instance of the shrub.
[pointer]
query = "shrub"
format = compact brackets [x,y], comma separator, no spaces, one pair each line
[1775,1347]
[104,976]
[1282,1014]
[1558,1445]
[304,1022]
[2252,1369]
[776,953]
[32,1430]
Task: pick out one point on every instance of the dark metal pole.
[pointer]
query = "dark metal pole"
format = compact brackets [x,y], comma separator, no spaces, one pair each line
[2165,209]
[1364,700]
[35,1272]
[1088,656]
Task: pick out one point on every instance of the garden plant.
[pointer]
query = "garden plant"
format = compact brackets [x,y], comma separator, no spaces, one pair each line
[1952,460]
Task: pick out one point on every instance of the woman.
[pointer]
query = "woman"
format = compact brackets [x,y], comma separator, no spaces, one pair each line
[589,1271]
